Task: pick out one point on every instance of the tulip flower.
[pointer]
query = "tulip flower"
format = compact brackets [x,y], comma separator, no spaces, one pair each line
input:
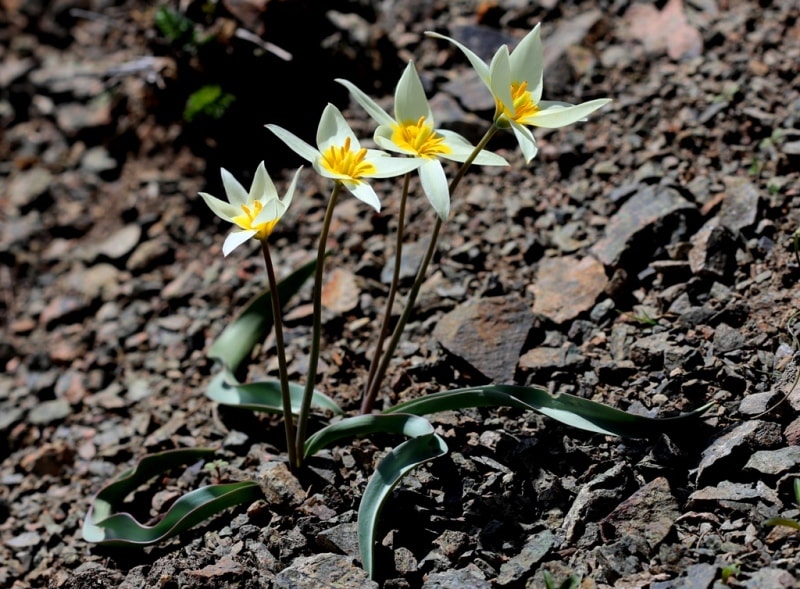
[515,80]
[339,156]
[412,132]
[255,212]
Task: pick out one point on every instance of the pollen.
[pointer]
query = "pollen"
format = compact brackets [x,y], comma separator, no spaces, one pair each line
[523,104]
[347,162]
[420,139]
[245,221]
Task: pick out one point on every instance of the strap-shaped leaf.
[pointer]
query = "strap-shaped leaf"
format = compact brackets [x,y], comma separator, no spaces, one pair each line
[238,339]
[362,425]
[569,409]
[394,466]
[263,396]
[104,525]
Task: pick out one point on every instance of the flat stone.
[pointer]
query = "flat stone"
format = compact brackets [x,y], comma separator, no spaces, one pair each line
[148,254]
[332,571]
[470,577]
[48,412]
[518,567]
[342,538]
[340,293]
[770,578]
[774,462]
[630,230]
[487,333]
[647,514]
[565,287]
[739,209]
[120,243]
[727,338]
[281,488]
[713,252]
[25,188]
[725,451]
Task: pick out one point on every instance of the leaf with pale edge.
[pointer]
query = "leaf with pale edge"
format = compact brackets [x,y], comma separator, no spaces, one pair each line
[569,409]
[104,524]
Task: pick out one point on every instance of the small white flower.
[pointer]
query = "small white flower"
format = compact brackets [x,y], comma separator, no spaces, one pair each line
[256,212]
[339,156]
[515,81]
[412,132]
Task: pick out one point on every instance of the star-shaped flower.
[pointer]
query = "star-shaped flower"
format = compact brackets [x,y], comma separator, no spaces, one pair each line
[256,212]
[339,156]
[515,80]
[412,132]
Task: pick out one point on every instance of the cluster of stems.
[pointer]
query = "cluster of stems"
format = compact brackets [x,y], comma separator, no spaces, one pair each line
[384,351]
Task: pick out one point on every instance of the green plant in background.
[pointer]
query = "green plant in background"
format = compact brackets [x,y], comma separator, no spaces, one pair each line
[515,81]
[730,572]
[570,582]
[181,31]
[209,101]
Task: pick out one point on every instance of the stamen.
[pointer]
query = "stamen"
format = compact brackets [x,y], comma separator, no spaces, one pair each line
[420,139]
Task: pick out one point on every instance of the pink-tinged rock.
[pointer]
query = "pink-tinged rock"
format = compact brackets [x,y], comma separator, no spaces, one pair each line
[488,334]
[566,287]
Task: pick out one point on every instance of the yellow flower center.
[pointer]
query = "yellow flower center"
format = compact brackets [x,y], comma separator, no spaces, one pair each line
[342,160]
[523,104]
[419,138]
[245,221]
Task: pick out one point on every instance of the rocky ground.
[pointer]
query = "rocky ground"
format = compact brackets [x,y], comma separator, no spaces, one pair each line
[645,259]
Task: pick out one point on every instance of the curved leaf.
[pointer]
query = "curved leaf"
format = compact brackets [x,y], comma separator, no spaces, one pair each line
[569,409]
[394,466]
[263,396]
[104,525]
[361,425]
[239,338]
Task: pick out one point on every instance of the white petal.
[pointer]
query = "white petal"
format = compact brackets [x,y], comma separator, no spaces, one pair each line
[388,167]
[273,209]
[287,200]
[334,130]
[488,158]
[477,63]
[554,116]
[262,187]
[235,239]
[236,193]
[365,193]
[434,184]
[500,72]
[527,143]
[527,62]
[461,149]
[300,147]
[220,208]
[373,108]
[410,102]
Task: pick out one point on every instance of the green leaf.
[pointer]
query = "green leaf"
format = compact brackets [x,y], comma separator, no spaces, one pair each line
[569,409]
[238,339]
[264,396]
[210,101]
[783,521]
[104,525]
[394,466]
[362,425]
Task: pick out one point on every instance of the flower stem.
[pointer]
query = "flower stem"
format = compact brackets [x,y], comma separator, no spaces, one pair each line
[316,330]
[286,397]
[387,315]
[375,383]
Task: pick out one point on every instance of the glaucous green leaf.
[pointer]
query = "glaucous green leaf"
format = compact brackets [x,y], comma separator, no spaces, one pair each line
[264,396]
[569,409]
[394,466]
[104,524]
[362,425]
